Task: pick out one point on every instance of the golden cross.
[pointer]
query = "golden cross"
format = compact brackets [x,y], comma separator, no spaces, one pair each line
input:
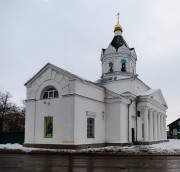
[118,18]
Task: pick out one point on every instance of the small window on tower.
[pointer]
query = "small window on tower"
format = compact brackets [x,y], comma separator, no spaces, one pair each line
[123,63]
[110,66]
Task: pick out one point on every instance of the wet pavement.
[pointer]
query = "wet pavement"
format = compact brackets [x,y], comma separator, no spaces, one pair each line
[87,163]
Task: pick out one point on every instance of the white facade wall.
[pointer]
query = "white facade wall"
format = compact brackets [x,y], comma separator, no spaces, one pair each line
[89,102]
[132,85]
[118,86]
[139,128]
[61,109]
[132,121]
[112,127]
[124,123]
[89,90]
[138,87]
[30,121]
[84,108]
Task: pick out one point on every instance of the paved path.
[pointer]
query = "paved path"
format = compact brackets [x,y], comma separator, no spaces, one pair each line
[87,163]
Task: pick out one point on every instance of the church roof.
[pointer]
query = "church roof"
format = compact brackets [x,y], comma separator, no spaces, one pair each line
[149,92]
[154,94]
[65,72]
[55,68]
[44,68]
[118,41]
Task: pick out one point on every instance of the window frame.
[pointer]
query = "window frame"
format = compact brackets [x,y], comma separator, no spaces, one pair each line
[48,120]
[51,92]
[90,127]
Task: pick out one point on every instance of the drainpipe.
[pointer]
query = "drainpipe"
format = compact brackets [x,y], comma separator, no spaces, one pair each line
[128,117]
[137,101]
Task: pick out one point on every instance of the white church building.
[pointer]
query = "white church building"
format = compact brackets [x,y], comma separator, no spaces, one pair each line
[65,111]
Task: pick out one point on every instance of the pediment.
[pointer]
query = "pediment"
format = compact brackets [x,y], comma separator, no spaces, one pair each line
[155,94]
[49,72]
[49,75]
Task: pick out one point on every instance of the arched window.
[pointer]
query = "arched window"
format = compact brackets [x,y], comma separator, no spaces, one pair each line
[123,63]
[50,92]
[90,127]
[110,66]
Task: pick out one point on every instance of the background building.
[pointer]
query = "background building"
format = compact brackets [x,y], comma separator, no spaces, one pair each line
[174,129]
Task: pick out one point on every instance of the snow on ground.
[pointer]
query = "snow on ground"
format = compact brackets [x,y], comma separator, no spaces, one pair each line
[169,148]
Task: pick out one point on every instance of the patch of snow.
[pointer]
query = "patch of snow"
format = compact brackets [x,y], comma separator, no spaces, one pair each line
[11,146]
[168,148]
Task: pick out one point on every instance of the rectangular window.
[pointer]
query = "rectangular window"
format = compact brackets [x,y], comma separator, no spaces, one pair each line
[90,127]
[138,113]
[48,123]
[175,132]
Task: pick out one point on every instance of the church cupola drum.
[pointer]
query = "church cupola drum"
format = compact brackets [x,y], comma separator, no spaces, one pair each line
[118,60]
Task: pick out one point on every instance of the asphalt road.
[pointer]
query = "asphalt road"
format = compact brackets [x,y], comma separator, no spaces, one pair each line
[87,163]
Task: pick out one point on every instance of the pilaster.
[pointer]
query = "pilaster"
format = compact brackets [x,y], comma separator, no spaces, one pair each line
[155,126]
[161,127]
[158,127]
[145,118]
[151,125]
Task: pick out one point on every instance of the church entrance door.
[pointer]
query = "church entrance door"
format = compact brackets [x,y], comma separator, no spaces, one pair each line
[133,134]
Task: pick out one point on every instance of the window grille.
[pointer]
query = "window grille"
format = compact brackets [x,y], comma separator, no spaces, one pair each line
[90,127]
[50,93]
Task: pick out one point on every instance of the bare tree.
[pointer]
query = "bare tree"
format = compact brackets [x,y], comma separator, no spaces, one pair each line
[15,120]
[4,107]
[12,117]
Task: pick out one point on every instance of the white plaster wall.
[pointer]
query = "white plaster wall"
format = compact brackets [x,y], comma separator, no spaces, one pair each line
[89,90]
[113,122]
[157,97]
[119,86]
[139,87]
[68,120]
[132,121]
[132,85]
[132,67]
[45,110]
[110,50]
[61,109]
[30,121]
[139,129]
[123,123]
[62,112]
[82,105]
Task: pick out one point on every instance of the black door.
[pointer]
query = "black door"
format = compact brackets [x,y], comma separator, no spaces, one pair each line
[132,131]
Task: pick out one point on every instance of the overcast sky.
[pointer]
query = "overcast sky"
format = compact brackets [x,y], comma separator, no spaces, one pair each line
[71,34]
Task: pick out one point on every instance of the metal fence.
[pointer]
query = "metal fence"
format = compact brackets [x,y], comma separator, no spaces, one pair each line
[17,137]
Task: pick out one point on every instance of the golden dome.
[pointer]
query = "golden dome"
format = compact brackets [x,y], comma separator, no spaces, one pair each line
[117,27]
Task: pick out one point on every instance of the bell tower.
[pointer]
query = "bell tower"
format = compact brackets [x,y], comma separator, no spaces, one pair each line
[118,60]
